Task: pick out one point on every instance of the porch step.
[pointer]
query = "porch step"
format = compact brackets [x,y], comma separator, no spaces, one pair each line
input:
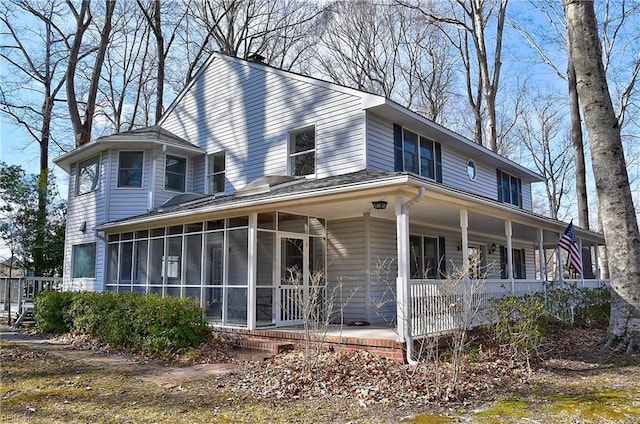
[262,347]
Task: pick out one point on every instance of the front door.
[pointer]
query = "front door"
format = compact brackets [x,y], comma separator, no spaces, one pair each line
[293,278]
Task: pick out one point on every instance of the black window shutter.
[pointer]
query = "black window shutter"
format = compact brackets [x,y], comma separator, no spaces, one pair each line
[519,192]
[524,263]
[503,261]
[499,179]
[397,142]
[438,151]
[442,264]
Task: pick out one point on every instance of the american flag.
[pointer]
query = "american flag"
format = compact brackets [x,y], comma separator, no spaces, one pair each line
[569,243]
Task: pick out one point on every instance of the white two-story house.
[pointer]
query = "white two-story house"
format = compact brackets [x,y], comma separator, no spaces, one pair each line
[254,172]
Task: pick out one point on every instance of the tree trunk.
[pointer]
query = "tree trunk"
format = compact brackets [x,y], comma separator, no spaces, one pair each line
[616,207]
[578,148]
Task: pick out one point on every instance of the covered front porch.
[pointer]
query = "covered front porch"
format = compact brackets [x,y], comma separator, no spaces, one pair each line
[380,248]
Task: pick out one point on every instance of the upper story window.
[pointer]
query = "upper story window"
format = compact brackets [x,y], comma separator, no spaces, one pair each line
[88,175]
[509,188]
[216,172]
[130,169]
[472,171]
[175,173]
[417,154]
[302,151]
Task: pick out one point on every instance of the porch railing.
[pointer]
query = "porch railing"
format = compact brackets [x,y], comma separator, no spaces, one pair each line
[437,306]
[18,291]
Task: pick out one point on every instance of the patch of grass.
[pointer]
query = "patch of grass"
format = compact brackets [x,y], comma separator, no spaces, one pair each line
[610,405]
[505,409]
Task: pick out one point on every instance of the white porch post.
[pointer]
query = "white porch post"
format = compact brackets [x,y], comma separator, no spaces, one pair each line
[581,261]
[541,259]
[403,311]
[464,226]
[559,265]
[508,231]
[596,255]
[252,264]
[367,264]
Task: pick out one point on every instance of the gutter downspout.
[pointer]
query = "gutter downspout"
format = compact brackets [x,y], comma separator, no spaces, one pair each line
[408,338]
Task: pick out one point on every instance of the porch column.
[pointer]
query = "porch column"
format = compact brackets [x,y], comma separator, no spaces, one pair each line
[542,258]
[464,226]
[581,255]
[559,265]
[252,264]
[367,264]
[508,231]
[403,312]
[596,256]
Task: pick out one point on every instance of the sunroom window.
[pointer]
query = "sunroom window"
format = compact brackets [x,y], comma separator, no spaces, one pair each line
[302,151]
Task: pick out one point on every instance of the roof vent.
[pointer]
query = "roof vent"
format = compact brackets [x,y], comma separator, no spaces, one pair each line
[256,57]
[264,184]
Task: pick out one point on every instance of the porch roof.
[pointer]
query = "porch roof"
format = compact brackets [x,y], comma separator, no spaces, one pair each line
[350,195]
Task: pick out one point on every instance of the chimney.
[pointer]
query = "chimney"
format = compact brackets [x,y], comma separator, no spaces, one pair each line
[256,57]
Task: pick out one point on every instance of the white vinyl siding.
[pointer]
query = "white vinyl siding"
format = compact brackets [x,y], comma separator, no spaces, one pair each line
[125,202]
[345,259]
[454,173]
[379,144]
[249,111]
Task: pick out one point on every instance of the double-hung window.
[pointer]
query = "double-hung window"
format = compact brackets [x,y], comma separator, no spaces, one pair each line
[302,151]
[216,173]
[417,154]
[427,256]
[88,175]
[175,173]
[509,188]
[130,169]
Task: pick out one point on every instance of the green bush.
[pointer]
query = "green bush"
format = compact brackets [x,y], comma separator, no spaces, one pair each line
[574,305]
[136,323]
[520,323]
[51,311]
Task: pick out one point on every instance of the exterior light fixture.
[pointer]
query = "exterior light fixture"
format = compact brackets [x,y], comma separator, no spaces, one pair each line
[379,204]
[492,248]
[83,227]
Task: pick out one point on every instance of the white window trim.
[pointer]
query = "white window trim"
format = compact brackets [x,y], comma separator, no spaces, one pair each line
[315,150]
[77,178]
[472,163]
[186,173]
[433,153]
[73,260]
[142,181]
[209,173]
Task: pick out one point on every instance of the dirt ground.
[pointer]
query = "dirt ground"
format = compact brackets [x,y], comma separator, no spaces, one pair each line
[74,380]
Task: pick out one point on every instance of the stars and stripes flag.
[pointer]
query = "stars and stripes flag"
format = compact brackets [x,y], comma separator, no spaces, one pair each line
[569,243]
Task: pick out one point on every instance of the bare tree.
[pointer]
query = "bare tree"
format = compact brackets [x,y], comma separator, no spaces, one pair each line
[609,167]
[541,132]
[276,29]
[82,126]
[34,54]
[476,22]
[389,50]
